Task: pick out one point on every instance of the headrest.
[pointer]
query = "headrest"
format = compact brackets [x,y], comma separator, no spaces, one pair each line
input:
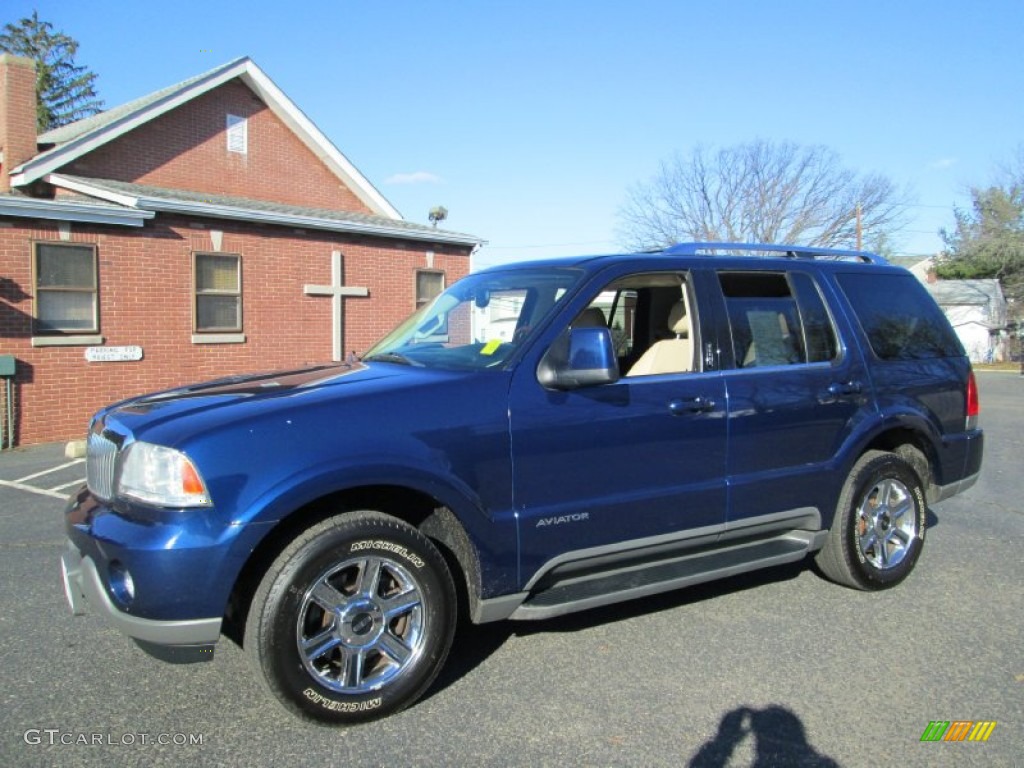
[677,322]
[591,317]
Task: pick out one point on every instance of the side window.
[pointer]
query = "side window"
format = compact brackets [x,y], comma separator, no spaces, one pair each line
[66,299]
[900,319]
[777,319]
[614,309]
[650,321]
[623,322]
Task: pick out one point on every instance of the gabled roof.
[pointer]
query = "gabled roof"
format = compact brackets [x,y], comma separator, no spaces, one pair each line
[77,139]
[142,197]
[986,295]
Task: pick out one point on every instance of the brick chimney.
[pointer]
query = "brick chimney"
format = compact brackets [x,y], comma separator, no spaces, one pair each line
[17,114]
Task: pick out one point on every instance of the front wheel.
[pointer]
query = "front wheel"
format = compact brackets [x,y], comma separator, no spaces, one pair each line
[353,620]
[878,531]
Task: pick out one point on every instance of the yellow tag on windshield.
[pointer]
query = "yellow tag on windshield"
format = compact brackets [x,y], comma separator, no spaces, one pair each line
[490,347]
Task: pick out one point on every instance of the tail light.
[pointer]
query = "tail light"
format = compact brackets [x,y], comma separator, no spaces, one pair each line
[973,405]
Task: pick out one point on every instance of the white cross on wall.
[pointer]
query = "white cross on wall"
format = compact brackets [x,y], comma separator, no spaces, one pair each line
[337,290]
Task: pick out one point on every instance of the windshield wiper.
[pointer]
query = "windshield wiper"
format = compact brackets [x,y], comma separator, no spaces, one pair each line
[392,357]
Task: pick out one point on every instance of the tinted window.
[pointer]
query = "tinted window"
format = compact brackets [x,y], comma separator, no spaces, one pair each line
[819,334]
[776,320]
[900,319]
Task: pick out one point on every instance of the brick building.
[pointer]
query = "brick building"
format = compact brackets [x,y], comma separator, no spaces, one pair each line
[204,230]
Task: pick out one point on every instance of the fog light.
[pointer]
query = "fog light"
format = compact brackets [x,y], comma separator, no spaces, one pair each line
[122,586]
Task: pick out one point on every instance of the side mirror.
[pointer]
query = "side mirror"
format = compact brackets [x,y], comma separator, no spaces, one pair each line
[581,357]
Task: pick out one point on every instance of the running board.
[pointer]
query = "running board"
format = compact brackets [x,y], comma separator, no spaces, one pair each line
[607,587]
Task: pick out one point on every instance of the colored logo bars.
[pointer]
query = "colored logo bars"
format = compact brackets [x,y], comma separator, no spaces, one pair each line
[958,730]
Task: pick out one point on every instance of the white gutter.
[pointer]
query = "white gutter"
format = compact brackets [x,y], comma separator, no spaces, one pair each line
[34,208]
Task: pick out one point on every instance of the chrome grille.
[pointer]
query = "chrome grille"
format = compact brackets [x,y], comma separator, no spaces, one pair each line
[100,460]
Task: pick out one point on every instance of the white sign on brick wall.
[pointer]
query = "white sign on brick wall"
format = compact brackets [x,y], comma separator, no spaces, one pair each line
[112,354]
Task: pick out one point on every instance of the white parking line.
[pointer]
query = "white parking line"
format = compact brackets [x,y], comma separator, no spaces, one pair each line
[79,481]
[48,471]
[33,489]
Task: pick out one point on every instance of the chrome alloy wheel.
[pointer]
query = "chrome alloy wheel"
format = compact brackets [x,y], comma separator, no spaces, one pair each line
[361,625]
[886,523]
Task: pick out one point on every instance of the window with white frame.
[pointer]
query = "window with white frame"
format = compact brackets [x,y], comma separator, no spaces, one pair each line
[218,293]
[66,293]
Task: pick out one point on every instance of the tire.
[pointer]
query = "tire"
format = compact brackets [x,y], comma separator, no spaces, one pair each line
[879,527]
[354,619]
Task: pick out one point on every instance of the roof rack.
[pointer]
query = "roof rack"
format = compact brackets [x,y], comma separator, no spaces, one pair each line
[766,249]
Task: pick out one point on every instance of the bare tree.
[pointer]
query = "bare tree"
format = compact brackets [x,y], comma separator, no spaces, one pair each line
[762,192]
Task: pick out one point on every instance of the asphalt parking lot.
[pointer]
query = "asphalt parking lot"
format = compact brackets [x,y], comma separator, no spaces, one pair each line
[779,668]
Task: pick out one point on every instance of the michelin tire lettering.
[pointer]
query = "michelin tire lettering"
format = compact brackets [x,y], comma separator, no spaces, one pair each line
[342,706]
[388,546]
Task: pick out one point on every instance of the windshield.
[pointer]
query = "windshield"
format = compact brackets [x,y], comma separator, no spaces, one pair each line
[478,322]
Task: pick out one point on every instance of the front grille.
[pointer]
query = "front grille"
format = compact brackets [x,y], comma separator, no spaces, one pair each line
[100,461]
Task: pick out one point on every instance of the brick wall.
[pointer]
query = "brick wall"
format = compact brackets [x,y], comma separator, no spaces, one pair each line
[145,279]
[187,149]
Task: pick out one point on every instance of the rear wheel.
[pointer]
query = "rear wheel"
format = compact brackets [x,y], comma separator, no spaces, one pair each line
[879,527]
[353,620]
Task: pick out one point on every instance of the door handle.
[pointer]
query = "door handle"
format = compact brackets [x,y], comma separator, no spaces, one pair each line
[680,406]
[840,389]
[848,388]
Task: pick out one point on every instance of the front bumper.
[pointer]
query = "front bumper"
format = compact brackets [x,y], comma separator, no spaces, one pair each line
[83,584]
[162,581]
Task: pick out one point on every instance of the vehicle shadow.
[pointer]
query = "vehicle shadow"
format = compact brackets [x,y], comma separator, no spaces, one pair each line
[474,644]
[779,739]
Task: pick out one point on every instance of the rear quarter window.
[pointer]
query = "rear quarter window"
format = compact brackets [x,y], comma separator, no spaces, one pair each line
[900,319]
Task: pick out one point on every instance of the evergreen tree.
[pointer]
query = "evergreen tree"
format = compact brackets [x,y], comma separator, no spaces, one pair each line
[66,91]
[989,239]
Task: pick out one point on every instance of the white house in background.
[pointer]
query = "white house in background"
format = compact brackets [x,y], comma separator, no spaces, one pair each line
[922,269]
[977,311]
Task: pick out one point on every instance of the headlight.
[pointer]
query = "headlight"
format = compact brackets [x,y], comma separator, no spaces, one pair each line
[158,475]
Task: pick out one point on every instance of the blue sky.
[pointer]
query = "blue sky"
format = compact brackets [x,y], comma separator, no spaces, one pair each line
[530,120]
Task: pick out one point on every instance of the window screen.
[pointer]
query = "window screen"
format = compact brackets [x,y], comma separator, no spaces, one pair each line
[218,293]
[428,286]
[66,295]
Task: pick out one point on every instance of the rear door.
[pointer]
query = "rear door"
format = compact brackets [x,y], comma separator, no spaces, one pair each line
[794,391]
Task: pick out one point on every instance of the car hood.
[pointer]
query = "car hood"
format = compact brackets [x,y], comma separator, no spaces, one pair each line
[254,392]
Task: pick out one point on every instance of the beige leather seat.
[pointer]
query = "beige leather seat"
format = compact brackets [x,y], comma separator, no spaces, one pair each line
[669,355]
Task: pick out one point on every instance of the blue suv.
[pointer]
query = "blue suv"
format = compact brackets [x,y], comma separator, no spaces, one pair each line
[542,438]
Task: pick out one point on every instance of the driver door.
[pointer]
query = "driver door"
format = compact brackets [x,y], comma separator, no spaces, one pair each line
[605,470]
